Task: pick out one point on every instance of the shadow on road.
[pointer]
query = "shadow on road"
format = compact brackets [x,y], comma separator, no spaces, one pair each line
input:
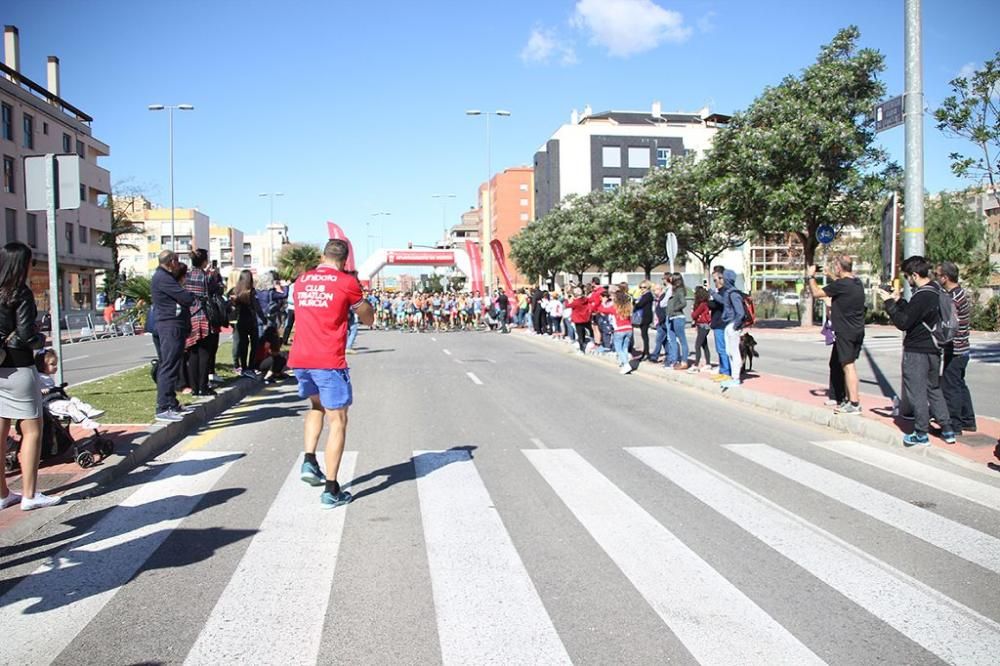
[880,379]
[407,471]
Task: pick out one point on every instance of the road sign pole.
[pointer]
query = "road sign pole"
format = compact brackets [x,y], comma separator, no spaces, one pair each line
[52,204]
[913,219]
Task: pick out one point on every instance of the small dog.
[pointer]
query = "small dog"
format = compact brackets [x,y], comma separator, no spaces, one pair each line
[748,351]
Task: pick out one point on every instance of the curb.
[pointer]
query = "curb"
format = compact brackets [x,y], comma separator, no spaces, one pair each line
[852,425]
[159,439]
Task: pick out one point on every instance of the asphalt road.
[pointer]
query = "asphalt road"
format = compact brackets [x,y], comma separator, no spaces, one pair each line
[86,361]
[516,505]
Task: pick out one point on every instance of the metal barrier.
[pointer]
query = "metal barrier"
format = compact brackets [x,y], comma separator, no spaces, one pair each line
[80,326]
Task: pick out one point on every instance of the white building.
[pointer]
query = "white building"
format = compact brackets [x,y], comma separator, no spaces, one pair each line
[260,251]
[35,121]
[225,246]
[190,227]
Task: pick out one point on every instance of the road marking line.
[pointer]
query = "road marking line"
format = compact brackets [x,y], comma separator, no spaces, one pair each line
[954,484]
[538,443]
[76,358]
[446,352]
[955,633]
[60,598]
[268,595]
[717,623]
[488,610]
[952,536]
[475,380]
[459,361]
[433,339]
[489,360]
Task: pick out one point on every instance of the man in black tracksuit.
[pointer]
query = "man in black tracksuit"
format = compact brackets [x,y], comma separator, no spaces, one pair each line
[172,304]
[921,356]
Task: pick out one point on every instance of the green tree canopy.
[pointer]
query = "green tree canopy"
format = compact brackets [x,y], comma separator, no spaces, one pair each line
[121,204]
[297,258]
[953,230]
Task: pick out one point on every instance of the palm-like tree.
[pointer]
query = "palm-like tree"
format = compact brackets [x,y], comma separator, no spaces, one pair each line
[296,258]
[121,225]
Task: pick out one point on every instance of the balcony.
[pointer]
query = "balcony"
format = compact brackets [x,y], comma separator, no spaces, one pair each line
[93,216]
[95,177]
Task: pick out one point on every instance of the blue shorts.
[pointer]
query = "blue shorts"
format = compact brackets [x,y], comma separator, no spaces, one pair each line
[332,386]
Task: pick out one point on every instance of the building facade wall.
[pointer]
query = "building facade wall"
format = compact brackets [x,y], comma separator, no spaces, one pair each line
[513,209]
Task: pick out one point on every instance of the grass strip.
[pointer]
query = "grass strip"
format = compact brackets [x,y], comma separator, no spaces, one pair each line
[130,397]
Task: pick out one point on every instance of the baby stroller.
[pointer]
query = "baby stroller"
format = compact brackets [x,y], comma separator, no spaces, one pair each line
[57,439]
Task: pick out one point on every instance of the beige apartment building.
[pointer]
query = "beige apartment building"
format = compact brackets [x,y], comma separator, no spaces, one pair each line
[261,250]
[225,246]
[190,225]
[35,120]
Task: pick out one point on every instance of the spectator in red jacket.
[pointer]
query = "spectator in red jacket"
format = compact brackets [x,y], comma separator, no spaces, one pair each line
[702,317]
[583,310]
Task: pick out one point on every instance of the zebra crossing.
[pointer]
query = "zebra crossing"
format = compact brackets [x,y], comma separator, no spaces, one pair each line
[981,352]
[491,607]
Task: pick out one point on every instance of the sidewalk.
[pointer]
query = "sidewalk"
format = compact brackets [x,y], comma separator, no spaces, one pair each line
[134,446]
[791,330]
[803,400]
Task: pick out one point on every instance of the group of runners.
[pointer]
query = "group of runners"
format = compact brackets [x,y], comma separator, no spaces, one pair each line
[439,311]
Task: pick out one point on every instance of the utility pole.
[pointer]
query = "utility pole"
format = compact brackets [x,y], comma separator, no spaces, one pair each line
[913,118]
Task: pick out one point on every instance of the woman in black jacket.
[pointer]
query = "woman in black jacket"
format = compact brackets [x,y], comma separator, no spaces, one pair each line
[643,309]
[248,316]
[20,395]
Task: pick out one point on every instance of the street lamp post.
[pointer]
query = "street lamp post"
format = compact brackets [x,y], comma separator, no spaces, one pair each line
[488,206]
[270,196]
[444,212]
[170,114]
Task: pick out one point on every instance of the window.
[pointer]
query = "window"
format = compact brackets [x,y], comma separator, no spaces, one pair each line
[67,143]
[69,238]
[45,128]
[635,181]
[611,156]
[524,202]
[152,239]
[83,192]
[612,184]
[32,230]
[662,157]
[8,174]
[29,131]
[8,122]
[524,187]
[83,235]
[638,158]
[81,150]
[524,217]
[10,227]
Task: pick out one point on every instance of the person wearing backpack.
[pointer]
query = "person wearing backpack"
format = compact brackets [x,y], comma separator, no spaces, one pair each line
[921,319]
[957,354]
[847,317]
[733,316]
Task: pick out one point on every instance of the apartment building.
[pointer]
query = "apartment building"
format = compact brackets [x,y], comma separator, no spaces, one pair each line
[609,149]
[468,229]
[190,228]
[225,246]
[36,120]
[261,250]
[510,209]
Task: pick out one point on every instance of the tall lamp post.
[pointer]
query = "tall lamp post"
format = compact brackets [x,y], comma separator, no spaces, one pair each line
[170,114]
[444,212]
[488,205]
[270,196]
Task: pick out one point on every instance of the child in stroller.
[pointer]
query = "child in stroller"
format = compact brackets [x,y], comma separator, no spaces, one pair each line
[60,411]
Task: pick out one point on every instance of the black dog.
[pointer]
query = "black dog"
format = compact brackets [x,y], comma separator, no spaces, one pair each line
[748,350]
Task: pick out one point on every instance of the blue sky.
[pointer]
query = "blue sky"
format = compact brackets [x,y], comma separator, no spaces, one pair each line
[353,108]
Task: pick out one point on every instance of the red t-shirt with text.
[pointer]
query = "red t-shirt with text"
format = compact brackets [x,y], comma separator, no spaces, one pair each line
[323,298]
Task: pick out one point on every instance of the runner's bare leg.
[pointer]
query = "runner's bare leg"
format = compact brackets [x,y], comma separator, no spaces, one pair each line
[313,424]
[337,420]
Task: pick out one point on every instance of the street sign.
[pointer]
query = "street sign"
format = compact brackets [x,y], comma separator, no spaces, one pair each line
[671,249]
[67,175]
[889,114]
[825,234]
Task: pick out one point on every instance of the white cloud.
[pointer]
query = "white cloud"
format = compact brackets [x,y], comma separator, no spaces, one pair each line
[544,45]
[707,22]
[968,69]
[627,27]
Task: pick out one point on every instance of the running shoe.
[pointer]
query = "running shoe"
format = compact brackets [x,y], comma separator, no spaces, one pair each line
[39,501]
[11,499]
[624,370]
[730,383]
[329,501]
[948,437]
[848,409]
[721,378]
[170,416]
[312,474]
[916,439]
[832,402]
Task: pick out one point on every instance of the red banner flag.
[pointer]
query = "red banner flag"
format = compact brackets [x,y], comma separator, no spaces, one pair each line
[476,261]
[498,254]
[335,231]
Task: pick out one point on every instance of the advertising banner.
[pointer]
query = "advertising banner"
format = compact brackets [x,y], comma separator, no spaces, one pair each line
[476,260]
[335,231]
[420,257]
[498,254]
[890,227]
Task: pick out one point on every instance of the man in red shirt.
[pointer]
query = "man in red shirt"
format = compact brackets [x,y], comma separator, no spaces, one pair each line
[323,298]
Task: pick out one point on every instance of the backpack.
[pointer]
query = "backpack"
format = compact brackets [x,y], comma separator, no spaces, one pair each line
[216,310]
[943,332]
[749,310]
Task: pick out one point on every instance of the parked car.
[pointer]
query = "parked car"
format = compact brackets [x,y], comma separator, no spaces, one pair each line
[790,298]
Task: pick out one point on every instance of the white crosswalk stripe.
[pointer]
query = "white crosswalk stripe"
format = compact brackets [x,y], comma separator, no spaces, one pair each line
[944,627]
[967,543]
[38,620]
[269,590]
[490,604]
[488,610]
[716,622]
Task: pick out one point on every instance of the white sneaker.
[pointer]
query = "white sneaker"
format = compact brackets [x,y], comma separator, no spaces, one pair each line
[11,499]
[38,501]
[624,370]
[94,413]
